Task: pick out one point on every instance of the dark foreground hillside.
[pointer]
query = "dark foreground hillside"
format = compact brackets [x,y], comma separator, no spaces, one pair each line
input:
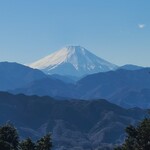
[75,125]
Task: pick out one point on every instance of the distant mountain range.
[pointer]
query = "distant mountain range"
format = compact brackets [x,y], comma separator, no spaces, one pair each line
[14,75]
[130,67]
[127,88]
[73,61]
[74,124]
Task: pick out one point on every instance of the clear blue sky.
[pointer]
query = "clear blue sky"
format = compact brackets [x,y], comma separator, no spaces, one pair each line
[116,30]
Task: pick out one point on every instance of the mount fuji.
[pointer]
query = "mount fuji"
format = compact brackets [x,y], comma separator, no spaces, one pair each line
[73,61]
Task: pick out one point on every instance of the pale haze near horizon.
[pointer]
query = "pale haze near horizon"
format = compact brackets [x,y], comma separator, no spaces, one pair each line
[115,30]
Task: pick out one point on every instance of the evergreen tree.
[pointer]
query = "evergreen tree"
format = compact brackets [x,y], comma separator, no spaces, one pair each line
[138,138]
[5,146]
[44,143]
[9,138]
[27,145]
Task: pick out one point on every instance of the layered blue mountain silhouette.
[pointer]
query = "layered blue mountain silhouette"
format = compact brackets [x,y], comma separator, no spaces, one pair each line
[74,124]
[14,75]
[130,67]
[123,87]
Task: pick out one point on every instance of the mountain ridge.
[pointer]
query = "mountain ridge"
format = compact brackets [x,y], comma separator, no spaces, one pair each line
[131,67]
[127,88]
[74,124]
[14,75]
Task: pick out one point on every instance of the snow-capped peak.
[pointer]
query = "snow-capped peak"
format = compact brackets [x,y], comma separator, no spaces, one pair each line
[72,60]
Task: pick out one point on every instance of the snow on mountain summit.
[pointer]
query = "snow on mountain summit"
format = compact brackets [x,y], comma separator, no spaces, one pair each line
[74,61]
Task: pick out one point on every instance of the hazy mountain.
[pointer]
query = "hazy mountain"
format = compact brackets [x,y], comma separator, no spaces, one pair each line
[14,75]
[74,124]
[66,79]
[74,61]
[47,87]
[130,67]
[128,88]
[120,87]
[17,78]
[123,87]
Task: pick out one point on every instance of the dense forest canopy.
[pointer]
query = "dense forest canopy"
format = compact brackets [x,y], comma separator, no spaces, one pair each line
[10,140]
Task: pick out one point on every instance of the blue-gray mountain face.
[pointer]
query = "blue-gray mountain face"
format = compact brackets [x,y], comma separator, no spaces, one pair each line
[130,67]
[127,88]
[14,75]
[74,124]
[73,61]
[123,87]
